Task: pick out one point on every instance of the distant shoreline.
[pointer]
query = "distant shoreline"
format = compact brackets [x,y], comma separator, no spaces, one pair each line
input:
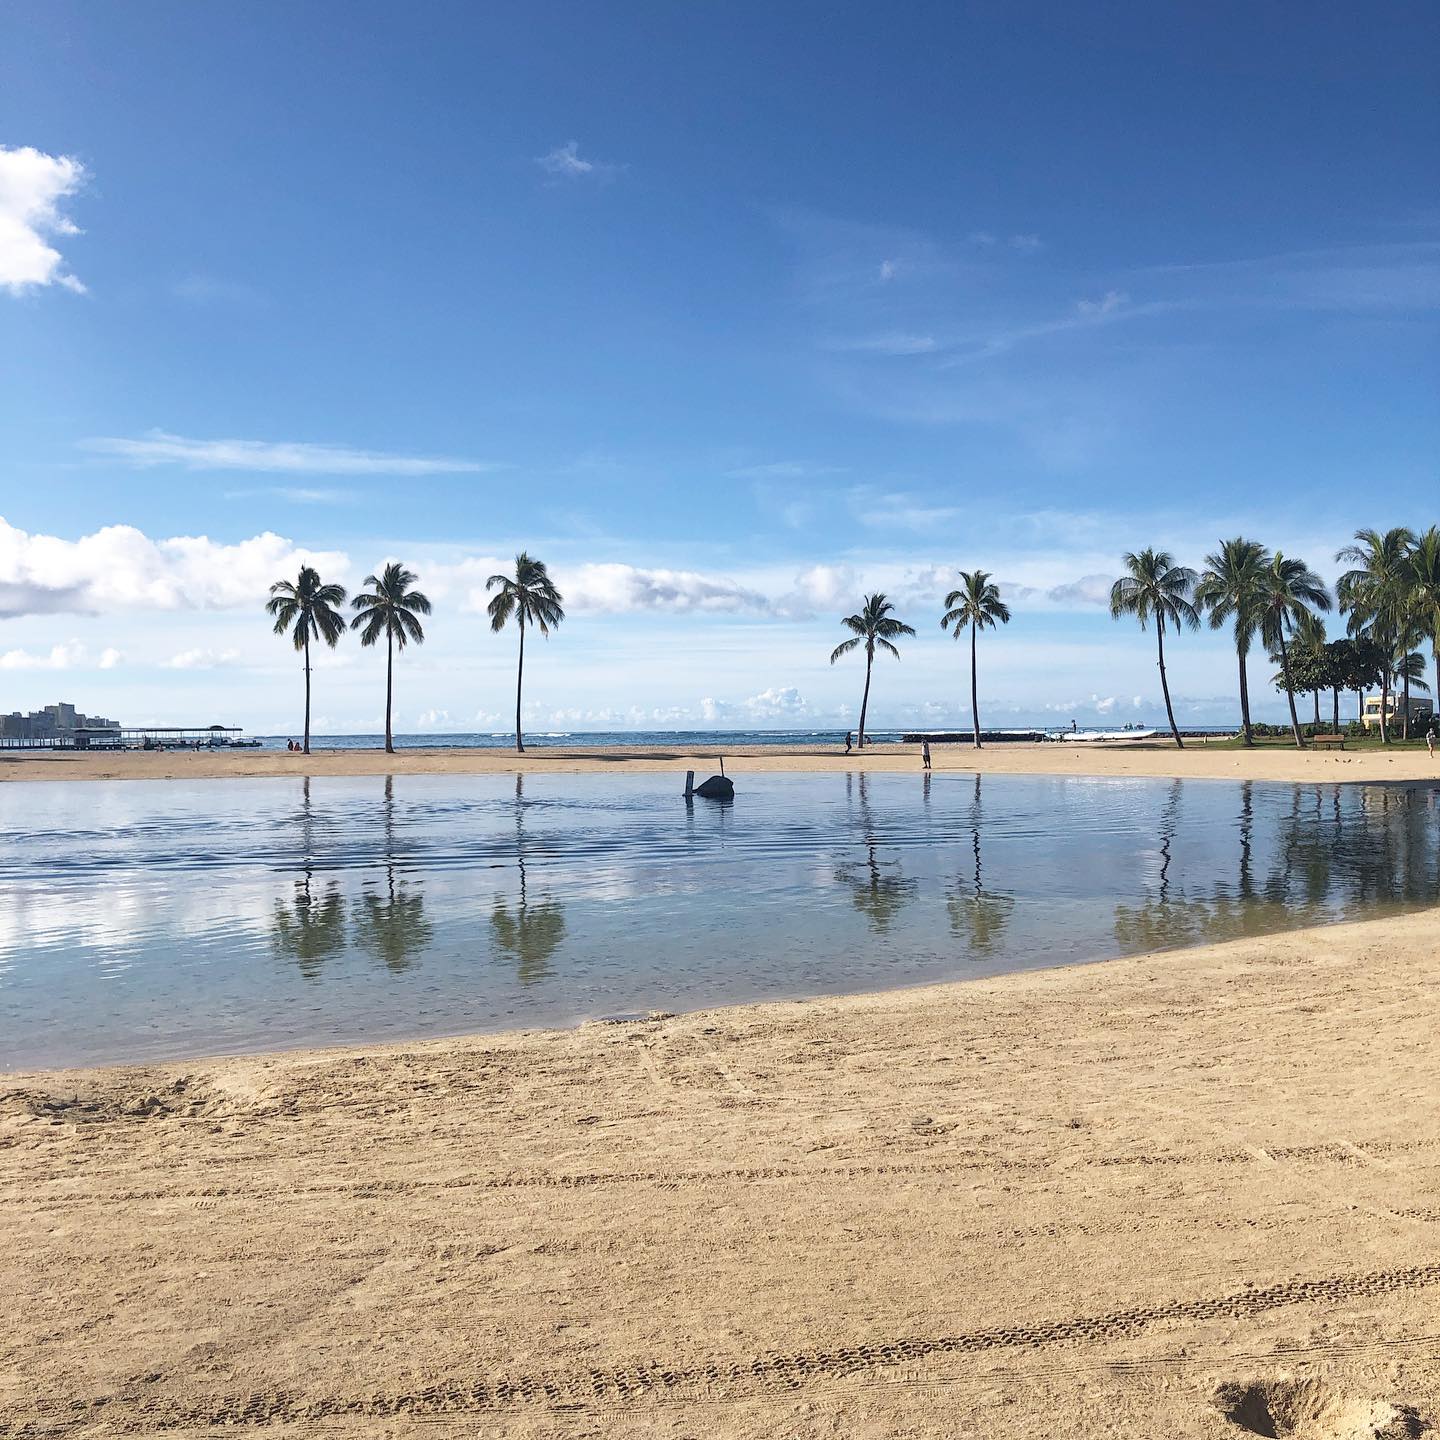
[1153,759]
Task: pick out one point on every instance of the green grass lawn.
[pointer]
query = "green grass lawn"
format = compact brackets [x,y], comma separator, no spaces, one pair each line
[1287,742]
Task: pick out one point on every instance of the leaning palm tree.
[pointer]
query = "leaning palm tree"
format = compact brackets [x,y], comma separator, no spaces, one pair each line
[389,608]
[308,605]
[1229,590]
[1377,593]
[1290,590]
[531,597]
[1425,580]
[1157,586]
[875,624]
[976,604]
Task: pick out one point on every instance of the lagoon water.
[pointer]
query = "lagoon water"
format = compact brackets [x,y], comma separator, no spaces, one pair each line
[188,918]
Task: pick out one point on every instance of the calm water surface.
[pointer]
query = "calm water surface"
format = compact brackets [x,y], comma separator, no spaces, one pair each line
[185,918]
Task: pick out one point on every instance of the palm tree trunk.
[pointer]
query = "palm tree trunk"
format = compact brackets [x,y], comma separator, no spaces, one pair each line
[865,699]
[389,689]
[307,694]
[1290,690]
[1405,719]
[1335,697]
[1316,693]
[1384,706]
[1244,698]
[519,681]
[1164,683]
[974,691]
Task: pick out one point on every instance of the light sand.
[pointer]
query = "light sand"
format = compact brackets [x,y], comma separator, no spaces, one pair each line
[1068,1203]
[1160,759]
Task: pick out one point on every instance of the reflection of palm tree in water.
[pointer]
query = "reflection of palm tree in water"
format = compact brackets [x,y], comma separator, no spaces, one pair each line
[309,927]
[531,933]
[978,916]
[878,889]
[391,923]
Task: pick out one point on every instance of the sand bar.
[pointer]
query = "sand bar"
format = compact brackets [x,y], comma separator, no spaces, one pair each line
[1074,1202]
[1157,759]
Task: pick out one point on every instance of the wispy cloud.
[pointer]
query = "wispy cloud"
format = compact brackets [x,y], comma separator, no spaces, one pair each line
[201,659]
[32,187]
[296,495]
[566,163]
[70,656]
[784,470]
[160,447]
[894,342]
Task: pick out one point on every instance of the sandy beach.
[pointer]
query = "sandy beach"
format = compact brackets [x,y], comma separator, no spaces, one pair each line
[1111,1199]
[1152,758]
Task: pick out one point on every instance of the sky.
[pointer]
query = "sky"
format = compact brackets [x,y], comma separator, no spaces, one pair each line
[731,314]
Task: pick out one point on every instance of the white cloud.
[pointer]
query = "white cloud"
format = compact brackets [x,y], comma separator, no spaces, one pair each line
[111,658]
[888,271]
[776,703]
[159,447]
[1107,304]
[122,568]
[60,657]
[565,162]
[32,185]
[1026,244]
[617,589]
[201,659]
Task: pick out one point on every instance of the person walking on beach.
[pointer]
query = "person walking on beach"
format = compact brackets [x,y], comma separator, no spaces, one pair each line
[925,752]
[849,741]
[1430,739]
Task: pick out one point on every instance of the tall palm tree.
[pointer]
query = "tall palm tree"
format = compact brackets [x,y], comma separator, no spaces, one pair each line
[1229,589]
[308,605]
[976,604]
[389,608]
[1157,586]
[874,625]
[531,597]
[1376,593]
[1290,590]
[1425,577]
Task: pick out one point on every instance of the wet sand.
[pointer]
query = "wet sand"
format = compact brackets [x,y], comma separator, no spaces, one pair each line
[1147,758]
[1078,1202]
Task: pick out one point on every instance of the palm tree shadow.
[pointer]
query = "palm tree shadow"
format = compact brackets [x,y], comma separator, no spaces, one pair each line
[878,888]
[978,916]
[309,926]
[528,933]
[390,923]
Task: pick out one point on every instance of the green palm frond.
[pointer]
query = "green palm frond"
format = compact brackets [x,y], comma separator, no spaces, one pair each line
[391,607]
[977,602]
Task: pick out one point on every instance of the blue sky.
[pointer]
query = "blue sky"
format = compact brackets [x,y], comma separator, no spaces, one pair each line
[728,313]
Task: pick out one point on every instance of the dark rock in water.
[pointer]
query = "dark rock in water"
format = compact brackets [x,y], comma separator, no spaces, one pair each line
[717,787]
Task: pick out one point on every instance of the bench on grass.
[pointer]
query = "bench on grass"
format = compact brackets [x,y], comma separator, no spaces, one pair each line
[1327,741]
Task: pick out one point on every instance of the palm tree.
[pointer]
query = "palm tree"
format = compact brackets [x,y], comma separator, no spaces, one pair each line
[1376,593]
[531,597]
[1290,591]
[1157,586]
[307,604]
[1425,577]
[874,625]
[976,603]
[1229,590]
[389,608]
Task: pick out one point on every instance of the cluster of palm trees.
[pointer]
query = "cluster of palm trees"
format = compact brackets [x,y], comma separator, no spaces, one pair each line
[1390,595]
[307,608]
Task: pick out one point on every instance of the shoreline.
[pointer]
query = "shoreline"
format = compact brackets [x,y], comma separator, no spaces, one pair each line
[1096,1194]
[1143,760]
